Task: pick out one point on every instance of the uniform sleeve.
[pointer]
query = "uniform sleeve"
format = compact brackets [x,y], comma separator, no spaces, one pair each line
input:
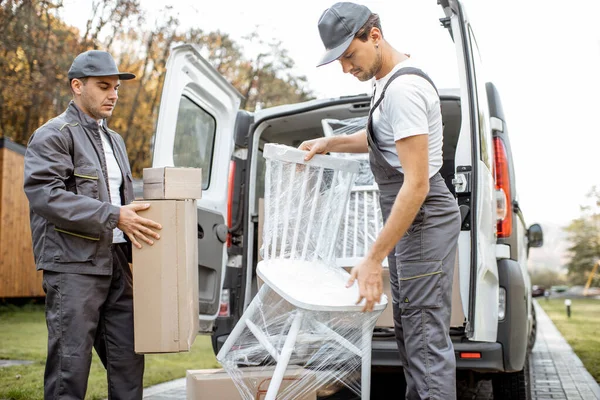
[48,166]
[405,107]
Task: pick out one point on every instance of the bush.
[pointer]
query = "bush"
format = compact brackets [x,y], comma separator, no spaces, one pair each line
[548,278]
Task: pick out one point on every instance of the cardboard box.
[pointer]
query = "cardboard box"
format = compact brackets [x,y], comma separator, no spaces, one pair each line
[165,280]
[172,183]
[386,319]
[216,383]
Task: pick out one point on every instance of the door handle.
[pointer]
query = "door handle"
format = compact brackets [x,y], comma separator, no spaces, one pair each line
[221,231]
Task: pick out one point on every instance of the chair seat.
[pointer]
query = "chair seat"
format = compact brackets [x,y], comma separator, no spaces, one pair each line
[312,285]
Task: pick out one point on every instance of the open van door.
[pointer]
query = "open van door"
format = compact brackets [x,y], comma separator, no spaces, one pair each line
[195,129]
[475,187]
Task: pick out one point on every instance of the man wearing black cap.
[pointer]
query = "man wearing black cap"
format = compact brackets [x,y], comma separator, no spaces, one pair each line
[79,185]
[403,137]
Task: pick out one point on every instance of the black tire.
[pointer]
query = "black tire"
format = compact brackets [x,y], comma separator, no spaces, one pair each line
[513,385]
[533,333]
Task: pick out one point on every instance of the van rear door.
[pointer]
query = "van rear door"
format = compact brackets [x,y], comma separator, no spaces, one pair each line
[475,186]
[195,129]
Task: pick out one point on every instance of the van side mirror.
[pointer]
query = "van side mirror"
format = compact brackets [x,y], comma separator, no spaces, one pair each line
[535,236]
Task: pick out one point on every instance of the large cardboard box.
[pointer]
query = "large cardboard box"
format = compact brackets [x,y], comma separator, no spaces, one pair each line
[386,319]
[210,384]
[165,280]
[172,183]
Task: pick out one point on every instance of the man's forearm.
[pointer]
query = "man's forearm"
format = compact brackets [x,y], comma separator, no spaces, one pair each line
[405,208]
[355,143]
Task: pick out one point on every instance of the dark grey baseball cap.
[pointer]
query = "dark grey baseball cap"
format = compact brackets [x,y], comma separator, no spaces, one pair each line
[96,63]
[337,27]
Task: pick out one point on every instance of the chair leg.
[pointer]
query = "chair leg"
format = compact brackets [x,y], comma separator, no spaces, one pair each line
[284,358]
[366,362]
[238,328]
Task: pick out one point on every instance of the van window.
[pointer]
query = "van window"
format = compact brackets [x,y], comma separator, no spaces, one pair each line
[485,137]
[194,139]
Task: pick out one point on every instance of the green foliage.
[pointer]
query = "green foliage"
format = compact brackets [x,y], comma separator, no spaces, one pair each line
[547,278]
[584,236]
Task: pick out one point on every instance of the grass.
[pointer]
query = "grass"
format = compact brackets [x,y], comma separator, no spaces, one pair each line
[581,330]
[23,336]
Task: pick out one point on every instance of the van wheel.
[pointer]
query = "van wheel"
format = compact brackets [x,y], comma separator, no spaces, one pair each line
[513,385]
[533,334]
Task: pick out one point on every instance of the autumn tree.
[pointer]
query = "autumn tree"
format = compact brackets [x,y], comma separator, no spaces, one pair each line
[37,49]
[34,59]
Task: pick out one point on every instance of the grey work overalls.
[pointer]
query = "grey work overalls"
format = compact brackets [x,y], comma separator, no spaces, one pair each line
[421,273]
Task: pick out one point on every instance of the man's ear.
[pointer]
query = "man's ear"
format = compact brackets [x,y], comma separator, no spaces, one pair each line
[76,85]
[375,35]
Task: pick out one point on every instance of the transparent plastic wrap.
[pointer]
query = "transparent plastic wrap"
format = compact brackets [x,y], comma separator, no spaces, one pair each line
[303,315]
[362,219]
[337,127]
[328,348]
[304,204]
[360,225]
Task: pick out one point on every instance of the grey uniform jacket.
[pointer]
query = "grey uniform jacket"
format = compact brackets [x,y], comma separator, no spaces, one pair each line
[66,182]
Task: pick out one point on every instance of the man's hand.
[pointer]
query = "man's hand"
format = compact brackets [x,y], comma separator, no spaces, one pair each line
[370,282]
[315,146]
[136,227]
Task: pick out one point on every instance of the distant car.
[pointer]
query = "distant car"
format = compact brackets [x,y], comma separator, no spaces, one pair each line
[537,291]
[559,288]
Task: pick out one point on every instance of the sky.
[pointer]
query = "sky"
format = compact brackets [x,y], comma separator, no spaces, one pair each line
[543,56]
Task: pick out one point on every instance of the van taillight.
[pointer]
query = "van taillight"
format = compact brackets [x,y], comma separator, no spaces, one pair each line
[225,308]
[230,182]
[502,177]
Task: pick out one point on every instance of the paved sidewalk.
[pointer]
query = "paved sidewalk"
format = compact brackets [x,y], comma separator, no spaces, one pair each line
[173,390]
[556,372]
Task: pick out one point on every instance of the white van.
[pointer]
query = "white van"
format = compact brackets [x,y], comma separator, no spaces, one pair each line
[493,321]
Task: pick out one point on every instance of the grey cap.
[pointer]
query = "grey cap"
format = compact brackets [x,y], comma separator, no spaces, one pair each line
[96,63]
[337,27]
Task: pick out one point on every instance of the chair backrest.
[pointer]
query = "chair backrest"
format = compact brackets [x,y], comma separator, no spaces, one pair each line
[361,224]
[304,203]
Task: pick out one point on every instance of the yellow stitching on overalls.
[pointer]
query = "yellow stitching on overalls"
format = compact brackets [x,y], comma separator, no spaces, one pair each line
[421,276]
[76,234]
[86,176]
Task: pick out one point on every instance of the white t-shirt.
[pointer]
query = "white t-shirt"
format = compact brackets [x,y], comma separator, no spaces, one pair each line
[115,179]
[410,107]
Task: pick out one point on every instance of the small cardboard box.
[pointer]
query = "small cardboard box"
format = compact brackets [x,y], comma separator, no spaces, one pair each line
[217,384]
[165,280]
[172,183]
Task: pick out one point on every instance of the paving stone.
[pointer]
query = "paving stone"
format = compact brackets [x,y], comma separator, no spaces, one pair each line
[12,363]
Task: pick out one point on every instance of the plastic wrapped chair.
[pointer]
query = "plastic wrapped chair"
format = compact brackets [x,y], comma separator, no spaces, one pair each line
[362,220]
[303,314]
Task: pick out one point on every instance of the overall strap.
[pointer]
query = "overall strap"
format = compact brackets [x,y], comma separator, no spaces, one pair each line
[400,72]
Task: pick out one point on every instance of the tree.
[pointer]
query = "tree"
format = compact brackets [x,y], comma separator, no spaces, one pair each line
[37,49]
[34,58]
[547,278]
[270,78]
[584,236]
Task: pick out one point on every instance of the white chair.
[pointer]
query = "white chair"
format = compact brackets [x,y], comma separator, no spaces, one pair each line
[304,314]
[361,224]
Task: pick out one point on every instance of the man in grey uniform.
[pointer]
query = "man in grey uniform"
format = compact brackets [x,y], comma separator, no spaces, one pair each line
[79,185]
[404,140]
